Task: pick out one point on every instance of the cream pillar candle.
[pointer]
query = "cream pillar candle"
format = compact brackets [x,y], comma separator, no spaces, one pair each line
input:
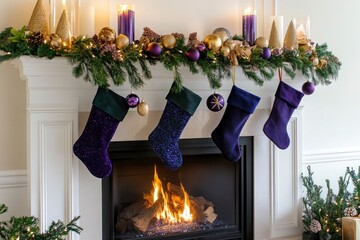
[86,20]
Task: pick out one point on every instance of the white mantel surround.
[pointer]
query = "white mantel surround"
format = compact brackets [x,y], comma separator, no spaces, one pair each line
[60,187]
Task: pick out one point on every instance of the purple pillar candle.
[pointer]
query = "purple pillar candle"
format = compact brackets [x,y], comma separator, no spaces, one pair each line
[126,21]
[249,26]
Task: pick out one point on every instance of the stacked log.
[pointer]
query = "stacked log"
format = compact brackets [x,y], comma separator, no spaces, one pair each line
[139,215]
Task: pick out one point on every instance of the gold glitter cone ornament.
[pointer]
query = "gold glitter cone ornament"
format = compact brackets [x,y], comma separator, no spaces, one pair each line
[290,40]
[63,29]
[274,40]
[38,21]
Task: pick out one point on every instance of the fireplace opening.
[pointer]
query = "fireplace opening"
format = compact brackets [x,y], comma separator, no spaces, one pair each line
[219,193]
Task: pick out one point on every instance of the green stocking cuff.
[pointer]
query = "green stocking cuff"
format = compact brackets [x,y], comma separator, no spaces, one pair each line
[186,99]
[111,103]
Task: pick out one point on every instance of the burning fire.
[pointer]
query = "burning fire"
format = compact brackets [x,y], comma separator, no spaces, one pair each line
[173,209]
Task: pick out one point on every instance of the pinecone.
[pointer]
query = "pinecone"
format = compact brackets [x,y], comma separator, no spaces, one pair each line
[315,226]
[178,35]
[150,34]
[350,212]
[95,40]
[192,40]
[36,38]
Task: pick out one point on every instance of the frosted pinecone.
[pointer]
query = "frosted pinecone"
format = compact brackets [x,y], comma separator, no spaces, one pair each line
[315,226]
[350,212]
[110,48]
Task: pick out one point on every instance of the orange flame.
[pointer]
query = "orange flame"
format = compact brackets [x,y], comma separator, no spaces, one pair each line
[172,210]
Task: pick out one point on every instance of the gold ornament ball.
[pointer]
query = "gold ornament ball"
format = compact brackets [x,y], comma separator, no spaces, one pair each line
[122,41]
[261,42]
[225,51]
[143,108]
[168,41]
[107,35]
[213,42]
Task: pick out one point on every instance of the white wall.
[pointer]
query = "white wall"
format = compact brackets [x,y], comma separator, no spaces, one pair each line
[330,117]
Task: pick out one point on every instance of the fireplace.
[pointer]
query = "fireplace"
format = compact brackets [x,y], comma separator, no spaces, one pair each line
[57,107]
[204,173]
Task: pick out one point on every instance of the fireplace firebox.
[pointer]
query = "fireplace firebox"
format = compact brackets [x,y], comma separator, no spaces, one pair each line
[226,187]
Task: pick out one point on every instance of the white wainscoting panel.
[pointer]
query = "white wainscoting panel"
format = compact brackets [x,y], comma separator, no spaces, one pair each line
[285,185]
[13,193]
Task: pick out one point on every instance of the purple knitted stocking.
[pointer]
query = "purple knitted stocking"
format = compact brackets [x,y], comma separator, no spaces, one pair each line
[286,101]
[226,135]
[92,147]
[164,139]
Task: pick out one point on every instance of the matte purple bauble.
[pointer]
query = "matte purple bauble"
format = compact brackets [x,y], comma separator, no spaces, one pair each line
[193,54]
[132,100]
[215,102]
[154,49]
[266,53]
[308,88]
[201,47]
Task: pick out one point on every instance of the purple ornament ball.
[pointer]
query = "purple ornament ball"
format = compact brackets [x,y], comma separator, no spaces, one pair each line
[201,47]
[193,54]
[266,53]
[308,88]
[215,102]
[132,100]
[154,49]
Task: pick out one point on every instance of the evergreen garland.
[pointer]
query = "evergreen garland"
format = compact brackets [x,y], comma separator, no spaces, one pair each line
[97,62]
[27,228]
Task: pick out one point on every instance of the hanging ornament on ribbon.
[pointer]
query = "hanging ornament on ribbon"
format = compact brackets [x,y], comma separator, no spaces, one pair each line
[143,108]
[132,100]
[215,102]
[308,88]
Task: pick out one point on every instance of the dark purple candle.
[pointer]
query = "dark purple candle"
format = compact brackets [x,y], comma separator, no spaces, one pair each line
[249,26]
[126,21]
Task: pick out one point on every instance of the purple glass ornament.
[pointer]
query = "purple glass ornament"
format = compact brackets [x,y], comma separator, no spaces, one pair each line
[193,54]
[215,102]
[132,100]
[308,88]
[154,49]
[266,53]
[201,47]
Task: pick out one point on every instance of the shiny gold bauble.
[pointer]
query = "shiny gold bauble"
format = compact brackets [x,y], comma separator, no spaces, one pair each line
[143,108]
[213,42]
[261,42]
[168,41]
[122,41]
[225,51]
[107,35]
[223,33]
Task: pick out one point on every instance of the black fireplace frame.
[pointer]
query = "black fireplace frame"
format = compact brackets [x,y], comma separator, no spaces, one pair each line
[196,146]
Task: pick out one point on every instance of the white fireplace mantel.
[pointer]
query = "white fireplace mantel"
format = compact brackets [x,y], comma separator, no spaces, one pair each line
[57,179]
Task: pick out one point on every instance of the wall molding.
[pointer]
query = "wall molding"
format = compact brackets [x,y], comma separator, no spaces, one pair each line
[285,167]
[330,156]
[13,178]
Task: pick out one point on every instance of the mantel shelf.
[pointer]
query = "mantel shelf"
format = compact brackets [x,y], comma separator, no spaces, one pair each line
[54,75]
